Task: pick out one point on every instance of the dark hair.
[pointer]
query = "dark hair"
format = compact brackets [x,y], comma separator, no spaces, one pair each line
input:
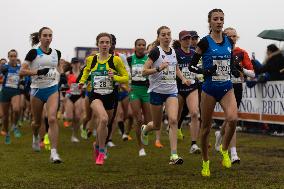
[12,50]
[113,39]
[210,16]
[176,44]
[36,35]
[272,48]
[139,39]
[104,34]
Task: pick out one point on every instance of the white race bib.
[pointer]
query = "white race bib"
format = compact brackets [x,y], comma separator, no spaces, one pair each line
[74,89]
[223,70]
[102,85]
[169,75]
[137,72]
[188,74]
[12,80]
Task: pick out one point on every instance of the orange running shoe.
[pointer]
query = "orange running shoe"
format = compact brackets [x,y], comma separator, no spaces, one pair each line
[66,124]
[3,133]
[129,137]
[158,144]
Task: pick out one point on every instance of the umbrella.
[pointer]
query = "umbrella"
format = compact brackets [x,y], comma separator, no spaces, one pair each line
[277,35]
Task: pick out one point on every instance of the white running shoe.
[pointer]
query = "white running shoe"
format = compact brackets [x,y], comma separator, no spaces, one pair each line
[36,143]
[124,137]
[235,159]
[194,149]
[54,158]
[142,152]
[218,140]
[110,144]
[74,139]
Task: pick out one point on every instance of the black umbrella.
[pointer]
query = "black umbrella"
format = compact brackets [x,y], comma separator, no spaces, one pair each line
[277,35]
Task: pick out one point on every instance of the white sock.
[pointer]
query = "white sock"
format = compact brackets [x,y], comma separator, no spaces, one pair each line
[53,151]
[234,151]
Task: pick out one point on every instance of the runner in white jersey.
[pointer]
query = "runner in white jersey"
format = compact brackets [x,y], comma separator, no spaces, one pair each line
[162,69]
[41,64]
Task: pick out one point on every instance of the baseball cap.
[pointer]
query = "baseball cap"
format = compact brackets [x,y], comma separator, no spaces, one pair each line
[193,34]
[184,34]
[74,60]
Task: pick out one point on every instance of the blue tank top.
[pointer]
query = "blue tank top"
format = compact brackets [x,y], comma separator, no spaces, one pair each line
[12,78]
[220,55]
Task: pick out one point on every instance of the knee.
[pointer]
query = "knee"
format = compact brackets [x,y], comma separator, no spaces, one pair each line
[232,118]
[173,122]
[103,120]
[194,115]
[52,120]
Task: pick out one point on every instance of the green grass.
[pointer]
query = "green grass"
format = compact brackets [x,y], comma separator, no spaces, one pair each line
[262,165]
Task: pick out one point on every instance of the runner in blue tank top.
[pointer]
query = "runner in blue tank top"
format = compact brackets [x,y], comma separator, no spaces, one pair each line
[216,51]
[10,95]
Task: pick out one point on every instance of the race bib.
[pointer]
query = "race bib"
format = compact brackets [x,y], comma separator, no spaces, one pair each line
[188,74]
[102,84]
[223,70]
[12,80]
[74,89]
[137,72]
[169,75]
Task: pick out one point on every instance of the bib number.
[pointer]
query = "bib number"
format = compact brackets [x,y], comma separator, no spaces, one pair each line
[102,84]
[223,70]
[188,74]
[12,80]
[137,72]
[74,89]
[169,75]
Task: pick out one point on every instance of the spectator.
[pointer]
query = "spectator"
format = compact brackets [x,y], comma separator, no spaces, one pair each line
[273,65]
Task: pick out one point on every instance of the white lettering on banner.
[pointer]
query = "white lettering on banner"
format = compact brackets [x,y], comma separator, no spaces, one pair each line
[262,103]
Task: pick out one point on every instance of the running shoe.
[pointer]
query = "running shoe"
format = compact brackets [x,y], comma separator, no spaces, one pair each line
[180,134]
[124,137]
[142,152]
[7,139]
[205,172]
[129,138]
[144,138]
[110,144]
[46,142]
[17,132]
[235,159]
[194,149]
[74,139]
[54,158]
[175,160]
[66,124]
[226,162]
[35,145]
[158,144]
[84,134]
[3,133]
[100,159]
[218,140]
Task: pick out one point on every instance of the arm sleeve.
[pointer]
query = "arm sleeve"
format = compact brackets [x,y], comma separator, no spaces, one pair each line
[86,70]
[31,55]
[246,63]
[154,54]
[129,60]
[58,54]
[122,76]
[203,44]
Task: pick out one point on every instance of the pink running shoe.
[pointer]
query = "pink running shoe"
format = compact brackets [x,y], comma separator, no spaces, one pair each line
[100,159]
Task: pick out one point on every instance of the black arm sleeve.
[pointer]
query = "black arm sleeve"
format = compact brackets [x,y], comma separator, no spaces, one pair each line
[203,44]
[129,60]
[31,55]
[58,54]
[154,54]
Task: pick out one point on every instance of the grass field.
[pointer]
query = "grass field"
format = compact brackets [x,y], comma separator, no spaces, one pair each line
[262,165]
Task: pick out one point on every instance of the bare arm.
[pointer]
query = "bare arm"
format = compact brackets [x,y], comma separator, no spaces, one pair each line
[148,70]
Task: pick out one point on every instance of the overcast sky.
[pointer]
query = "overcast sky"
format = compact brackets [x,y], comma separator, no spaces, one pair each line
[77,22]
